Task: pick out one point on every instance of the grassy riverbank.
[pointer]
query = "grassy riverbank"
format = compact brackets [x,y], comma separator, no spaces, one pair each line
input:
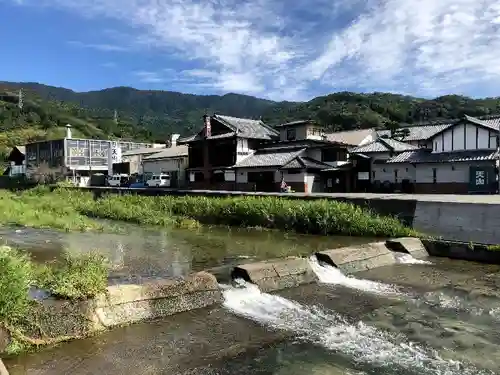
[73,277]
[38,208]
[74,210]
[323,217]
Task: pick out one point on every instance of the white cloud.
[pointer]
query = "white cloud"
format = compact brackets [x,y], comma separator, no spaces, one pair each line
[99,46]
[286,50]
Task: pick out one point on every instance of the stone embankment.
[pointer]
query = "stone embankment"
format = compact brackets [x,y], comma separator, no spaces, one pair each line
[61,320]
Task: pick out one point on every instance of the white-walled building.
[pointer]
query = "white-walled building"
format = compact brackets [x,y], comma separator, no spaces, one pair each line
[458,157]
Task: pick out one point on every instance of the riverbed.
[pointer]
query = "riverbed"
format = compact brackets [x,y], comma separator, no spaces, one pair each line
[439,317]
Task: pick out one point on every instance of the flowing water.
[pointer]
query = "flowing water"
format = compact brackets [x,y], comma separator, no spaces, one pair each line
[138,252]
[436,317]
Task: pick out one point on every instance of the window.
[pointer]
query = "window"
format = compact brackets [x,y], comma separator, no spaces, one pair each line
[290,135]
[435,146]
[406,169]
[434,175]
[395,175]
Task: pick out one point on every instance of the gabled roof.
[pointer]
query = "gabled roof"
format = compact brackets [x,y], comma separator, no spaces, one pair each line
[240,127]
[170,152]
[384,145]
[142,151]
[305,162]
[425,156]
[296,123]
[489,123]
[21,149]
[269,158]
[350,137]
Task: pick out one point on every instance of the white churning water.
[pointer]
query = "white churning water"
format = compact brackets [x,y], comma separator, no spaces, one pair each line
[331,275]
[403,258]
[359,342]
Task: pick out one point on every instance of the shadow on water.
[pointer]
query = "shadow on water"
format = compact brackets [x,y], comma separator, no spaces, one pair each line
[150,252]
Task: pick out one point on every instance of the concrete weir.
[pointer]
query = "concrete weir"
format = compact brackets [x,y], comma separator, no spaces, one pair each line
[60,320]
[408,245]
[353,259]
[276,274]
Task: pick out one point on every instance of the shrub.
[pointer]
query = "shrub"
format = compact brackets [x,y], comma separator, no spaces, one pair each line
[75,276]
[16,277]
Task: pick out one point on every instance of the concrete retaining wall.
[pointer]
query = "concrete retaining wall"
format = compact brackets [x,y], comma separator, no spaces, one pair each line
[463,251]
[358,258]
[276,274]
[61,320]
[459,221]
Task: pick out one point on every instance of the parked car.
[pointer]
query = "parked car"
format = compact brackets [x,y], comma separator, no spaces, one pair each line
[158,180]
[118,180]
[137,184]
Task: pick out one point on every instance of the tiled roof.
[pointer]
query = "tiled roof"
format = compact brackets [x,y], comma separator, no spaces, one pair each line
[298,122]
[424,156]
[419,132]
[384,145]
[241,127]
[142,151]
[269,158]
[490,123]
[422,133]
[171,152]
[305,162]
[248,128]
[350,137]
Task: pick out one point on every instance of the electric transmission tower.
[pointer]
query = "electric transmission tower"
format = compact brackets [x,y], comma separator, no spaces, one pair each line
[21,101]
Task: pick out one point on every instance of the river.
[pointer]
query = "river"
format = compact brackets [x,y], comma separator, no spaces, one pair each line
[440,317]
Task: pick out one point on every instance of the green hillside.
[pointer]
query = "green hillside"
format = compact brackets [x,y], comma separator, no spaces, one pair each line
[154,115]
[43,119]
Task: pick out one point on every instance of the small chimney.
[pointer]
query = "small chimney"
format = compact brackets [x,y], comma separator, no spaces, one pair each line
[208,126]
[173,140]
[68,131]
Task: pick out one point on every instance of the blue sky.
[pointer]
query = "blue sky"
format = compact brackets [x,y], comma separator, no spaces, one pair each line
[277,49]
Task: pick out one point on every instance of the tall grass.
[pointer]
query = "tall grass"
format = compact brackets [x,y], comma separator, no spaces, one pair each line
[38,208]
[325,217]
[16,278]
[73,210]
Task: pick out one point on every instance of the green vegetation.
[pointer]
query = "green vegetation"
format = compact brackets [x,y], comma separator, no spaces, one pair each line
[147,115]
[72,277]
[41,119]
[75,277]
[73,210]
[314,217]
[38,208]
[16,278]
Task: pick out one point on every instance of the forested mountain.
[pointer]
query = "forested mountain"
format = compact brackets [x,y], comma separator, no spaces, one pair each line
[154,115]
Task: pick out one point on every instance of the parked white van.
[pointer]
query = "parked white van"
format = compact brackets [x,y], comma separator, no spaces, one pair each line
[118,180]
[158,180]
